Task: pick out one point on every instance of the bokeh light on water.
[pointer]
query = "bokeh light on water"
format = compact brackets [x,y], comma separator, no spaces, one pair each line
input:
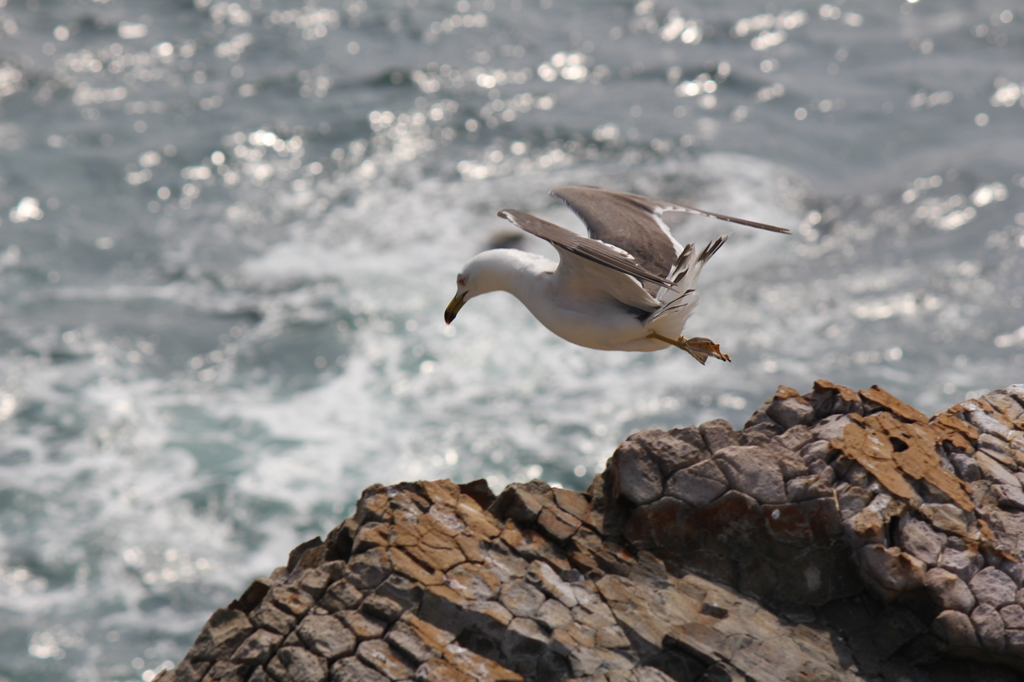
[228,231]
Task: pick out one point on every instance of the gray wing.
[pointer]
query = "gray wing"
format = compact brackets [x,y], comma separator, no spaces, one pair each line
[633,223]
[610,256]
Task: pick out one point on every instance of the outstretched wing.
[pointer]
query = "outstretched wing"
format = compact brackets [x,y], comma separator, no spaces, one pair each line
[633,223]
[628,221]
[608,255]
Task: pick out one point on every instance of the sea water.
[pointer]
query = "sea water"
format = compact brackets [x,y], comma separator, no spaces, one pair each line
[228,231]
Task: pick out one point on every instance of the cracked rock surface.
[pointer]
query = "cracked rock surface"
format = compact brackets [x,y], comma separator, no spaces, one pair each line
[840,535]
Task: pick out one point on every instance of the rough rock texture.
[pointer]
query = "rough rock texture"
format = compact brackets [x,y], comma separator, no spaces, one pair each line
[841,535]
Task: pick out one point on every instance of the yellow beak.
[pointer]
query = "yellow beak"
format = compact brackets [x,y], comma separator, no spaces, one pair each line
[454,307]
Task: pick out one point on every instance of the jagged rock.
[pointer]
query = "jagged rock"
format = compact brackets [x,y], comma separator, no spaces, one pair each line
[993,587]
[949,591]
[840,535]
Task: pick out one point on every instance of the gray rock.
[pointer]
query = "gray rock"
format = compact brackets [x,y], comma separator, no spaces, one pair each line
[964,563]
[314,581]
[986,423]
[291,599]
[369,569]
[956,628]
[997,448]
[523,643]
[294,663]
[699,484]
[225,630]
[554,615]
[947,517]
[268,616]
[830,427]
[752,471]
[811,487]
[634,474]
[965,466]
[257,647]
[521,598]
[949,591]
[1013,616]
[1015,642]
[378,606]
[919,538]
[543,576]
[996,471]
[795,438]
[352,670]
[1010,497]
[989,627]
[401,590]
[326,636]
[405,640]
[518,503]
[993,587]
[669,452]
[226,671]
[718,434]
[790,412]
[340,596]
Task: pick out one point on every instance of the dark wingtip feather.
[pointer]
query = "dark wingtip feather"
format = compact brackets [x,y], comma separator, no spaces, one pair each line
[711,249]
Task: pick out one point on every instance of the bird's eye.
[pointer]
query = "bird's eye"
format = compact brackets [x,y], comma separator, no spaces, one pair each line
[461,281]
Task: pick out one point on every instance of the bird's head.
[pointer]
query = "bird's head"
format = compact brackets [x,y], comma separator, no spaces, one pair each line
[484,273]
[462,294]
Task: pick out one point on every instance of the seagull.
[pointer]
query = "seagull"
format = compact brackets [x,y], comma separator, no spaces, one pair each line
[630,286]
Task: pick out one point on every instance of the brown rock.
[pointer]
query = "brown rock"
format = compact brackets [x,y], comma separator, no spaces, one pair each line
[894,572]
[291,599]
[362,625]
[380,656]
[369,569]
[340,596]
[518,503]
[296,663]
[352,670]
[257,647]
[225,671]
[268,616]
[424,584]
[225,630]
[326,636]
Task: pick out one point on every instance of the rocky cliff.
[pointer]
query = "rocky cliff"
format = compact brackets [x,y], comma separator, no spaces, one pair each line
[841,535]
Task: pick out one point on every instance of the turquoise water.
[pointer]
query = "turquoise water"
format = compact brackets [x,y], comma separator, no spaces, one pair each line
[228,232]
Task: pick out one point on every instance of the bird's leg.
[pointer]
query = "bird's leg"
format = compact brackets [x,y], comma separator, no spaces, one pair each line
[700,348]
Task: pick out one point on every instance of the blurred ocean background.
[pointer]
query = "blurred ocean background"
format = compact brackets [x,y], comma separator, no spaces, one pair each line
[228,231]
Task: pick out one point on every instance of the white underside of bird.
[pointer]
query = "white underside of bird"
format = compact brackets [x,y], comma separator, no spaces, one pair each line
[630,286]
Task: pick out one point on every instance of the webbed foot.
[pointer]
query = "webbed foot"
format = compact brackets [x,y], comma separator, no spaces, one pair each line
[700,348]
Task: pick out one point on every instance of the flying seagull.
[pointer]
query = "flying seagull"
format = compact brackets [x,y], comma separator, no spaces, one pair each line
[629,286]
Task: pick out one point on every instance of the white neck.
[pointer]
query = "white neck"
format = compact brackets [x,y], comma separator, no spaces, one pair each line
[509,270]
